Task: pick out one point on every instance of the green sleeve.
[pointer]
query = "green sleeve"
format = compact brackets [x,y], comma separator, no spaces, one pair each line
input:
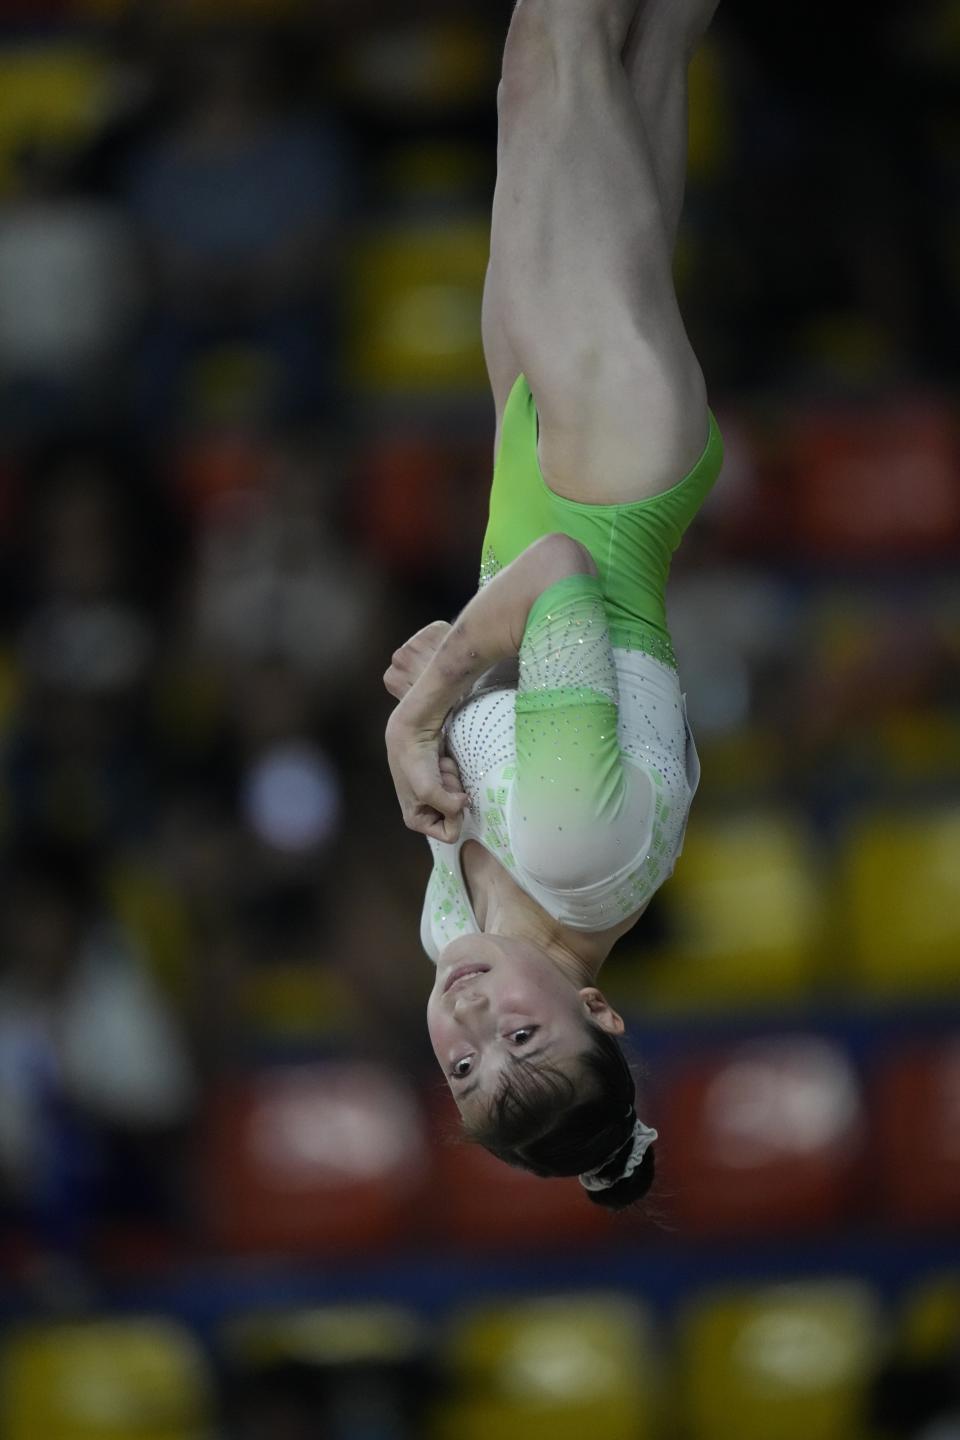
[570,772]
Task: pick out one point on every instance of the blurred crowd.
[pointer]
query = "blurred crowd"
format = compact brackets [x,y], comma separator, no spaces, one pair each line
[245,447]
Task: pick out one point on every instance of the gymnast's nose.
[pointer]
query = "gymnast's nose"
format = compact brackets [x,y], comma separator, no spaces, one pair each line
[469,1002]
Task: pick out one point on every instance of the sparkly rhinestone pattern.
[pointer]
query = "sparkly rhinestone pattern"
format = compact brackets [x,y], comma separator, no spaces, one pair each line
[626,632]
[638,806]
[635,635]
[566,647]
[489,565]
[449,900]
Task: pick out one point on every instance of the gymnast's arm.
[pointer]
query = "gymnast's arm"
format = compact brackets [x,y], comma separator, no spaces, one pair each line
[490,628]
[578,811]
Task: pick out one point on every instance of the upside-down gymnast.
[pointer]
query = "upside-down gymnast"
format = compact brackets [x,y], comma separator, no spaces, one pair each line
[555,800]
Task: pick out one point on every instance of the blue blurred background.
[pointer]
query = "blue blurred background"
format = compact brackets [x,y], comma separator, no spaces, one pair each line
[245,447]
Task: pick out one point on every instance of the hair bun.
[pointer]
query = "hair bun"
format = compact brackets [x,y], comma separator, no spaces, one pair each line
[623,1162]
[629,1190]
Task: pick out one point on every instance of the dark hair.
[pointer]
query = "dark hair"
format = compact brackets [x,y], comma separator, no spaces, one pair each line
[538,1123]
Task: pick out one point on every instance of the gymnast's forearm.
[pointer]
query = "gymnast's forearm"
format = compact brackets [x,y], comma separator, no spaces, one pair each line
[490,628]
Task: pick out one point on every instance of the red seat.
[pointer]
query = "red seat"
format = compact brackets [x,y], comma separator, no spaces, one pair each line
[917,1134]
[222,477]
[762,1137]
[483,1203]
[416,493]
[876,482]
[325,1158]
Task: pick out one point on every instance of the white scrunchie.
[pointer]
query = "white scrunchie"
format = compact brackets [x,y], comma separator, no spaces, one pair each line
[643,1138]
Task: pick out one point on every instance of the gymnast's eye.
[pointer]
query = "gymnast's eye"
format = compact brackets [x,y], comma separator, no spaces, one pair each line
[525,1032]
[519,1037]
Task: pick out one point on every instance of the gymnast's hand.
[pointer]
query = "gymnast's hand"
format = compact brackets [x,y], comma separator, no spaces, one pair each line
[409,662]
[428,786]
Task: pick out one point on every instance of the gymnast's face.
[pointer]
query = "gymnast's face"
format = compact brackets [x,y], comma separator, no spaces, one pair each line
[498,1000]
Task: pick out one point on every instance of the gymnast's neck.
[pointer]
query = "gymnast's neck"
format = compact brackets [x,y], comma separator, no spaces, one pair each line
[501,907]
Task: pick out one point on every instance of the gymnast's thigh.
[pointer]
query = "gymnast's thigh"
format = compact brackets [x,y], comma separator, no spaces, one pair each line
[580,292]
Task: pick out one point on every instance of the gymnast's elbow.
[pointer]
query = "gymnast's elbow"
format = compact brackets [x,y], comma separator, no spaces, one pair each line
[557,555]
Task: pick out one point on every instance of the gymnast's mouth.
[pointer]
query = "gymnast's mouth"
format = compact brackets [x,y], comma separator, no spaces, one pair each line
[463,972]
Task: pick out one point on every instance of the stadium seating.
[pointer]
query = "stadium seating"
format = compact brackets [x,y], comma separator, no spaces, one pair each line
[875,482]
[784,1362]
[323,1158]
[52,94]
[415,66]
[351,1370]
[332,1335]
[552,1369]
[917,1141]
[744,915]
[920,744]
[415,289]
[930,1319]
[417,494]
[710,124]
[129,1379]
[900,904]
[760,1138]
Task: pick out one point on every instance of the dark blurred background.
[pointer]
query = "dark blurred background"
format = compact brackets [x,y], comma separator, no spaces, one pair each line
[245,448]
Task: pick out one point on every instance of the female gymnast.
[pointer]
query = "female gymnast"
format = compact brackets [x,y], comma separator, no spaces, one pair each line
[555,797]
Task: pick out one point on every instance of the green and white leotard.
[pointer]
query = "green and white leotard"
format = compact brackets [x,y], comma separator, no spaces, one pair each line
[580,776]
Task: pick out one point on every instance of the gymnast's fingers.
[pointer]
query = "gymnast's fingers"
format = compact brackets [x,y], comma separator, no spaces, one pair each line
[396,684]
[428,821]
[450,775]
[450,803]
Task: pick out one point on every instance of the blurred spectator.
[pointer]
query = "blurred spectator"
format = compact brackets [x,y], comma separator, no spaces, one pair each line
[289,791]
[375,933]
[69,291]
[241,201]
[728,665]
[276,580]
[75,762]
[92,1070]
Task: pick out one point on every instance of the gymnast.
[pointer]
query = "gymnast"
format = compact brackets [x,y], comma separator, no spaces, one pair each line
[540,741]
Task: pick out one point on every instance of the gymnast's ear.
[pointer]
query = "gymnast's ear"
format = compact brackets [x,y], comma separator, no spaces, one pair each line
[600,1011]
